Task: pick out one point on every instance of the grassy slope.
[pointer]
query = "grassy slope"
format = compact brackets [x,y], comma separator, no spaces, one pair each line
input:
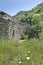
[12,52]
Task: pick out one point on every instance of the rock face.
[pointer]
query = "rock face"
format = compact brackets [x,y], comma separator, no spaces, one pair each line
[9,27]
[6,29]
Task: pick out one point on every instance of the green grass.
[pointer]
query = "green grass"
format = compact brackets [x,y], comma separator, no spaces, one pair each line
[12,52]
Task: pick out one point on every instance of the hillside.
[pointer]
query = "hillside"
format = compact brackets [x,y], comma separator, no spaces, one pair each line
[24,24]
[31,19]
[37,9]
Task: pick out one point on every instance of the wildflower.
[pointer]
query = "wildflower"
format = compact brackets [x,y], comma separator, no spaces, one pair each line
[28,58]
[20,62]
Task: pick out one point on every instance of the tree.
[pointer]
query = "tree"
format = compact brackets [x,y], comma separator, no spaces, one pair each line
[34,29]
[36,24]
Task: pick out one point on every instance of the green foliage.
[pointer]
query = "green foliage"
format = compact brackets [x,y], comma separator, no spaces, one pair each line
[35,10]
[24,34]
[12,52]
[34,29]
[36,23]
[34,18]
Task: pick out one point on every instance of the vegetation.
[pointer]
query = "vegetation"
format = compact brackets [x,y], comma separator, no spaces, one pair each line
[34,27]
[38,9]
[31,23]
[33,18]
[29,52]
